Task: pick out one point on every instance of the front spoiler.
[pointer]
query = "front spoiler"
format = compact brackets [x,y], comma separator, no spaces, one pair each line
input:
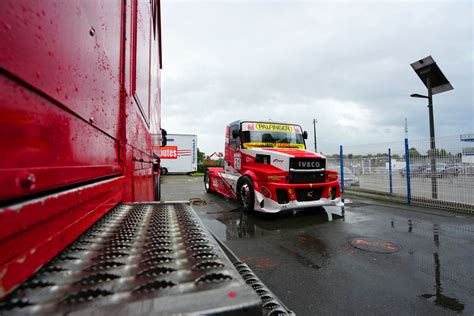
[270,206]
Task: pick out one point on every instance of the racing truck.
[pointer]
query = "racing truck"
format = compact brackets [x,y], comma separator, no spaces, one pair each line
[269,169]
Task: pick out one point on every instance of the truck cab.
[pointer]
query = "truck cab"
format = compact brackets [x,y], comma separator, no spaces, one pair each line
[268,168]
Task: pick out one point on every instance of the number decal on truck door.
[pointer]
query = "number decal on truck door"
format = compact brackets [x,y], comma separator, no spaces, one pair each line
[237,161]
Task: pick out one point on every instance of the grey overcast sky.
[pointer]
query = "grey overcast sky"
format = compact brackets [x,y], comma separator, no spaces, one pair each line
[346,63]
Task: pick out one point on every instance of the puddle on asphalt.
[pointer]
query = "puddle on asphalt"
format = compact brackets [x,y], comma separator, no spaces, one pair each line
[432,232]
[312,244]
[438,298]
[302,259]
[237,224]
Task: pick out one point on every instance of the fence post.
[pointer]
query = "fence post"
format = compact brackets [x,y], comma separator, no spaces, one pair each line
[341,164]
[407,170]
[390,169]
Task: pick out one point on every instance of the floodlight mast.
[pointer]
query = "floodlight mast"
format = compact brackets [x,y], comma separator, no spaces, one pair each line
[434,183]
[315,143]
[431,75]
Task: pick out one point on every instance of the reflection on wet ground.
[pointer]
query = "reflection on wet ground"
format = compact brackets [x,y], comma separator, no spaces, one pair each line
[454,274]
[241,224]
[440,299]
[306,257]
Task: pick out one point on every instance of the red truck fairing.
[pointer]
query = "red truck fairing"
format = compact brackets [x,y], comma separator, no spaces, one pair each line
[79,99]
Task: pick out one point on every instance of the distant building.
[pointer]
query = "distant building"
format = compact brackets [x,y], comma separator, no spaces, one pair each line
[468,149]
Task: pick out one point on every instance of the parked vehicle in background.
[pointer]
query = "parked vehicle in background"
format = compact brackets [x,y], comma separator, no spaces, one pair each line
[180,154]
[452,171]
[350,179]
[415,171]
[468,170]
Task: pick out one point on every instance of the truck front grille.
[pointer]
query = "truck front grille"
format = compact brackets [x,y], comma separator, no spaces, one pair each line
[307,163]
[312,177]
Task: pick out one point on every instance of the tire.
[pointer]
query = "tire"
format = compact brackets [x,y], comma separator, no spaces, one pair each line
[246,194]
[207,181]
[164,171]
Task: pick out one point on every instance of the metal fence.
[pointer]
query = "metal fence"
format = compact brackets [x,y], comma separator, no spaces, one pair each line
[411,171]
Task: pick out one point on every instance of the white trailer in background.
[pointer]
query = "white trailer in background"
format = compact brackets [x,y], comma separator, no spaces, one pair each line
[468,149]
[180,154]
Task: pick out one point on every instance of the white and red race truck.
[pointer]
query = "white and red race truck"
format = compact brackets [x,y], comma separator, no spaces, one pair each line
[268,168]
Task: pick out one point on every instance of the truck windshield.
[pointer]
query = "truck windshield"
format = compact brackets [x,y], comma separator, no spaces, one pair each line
[271,135]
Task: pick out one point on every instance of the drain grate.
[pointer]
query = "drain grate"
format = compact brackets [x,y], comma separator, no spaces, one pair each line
[135,252]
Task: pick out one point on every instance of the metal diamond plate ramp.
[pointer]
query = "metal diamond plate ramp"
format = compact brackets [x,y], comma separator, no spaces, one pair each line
[154,258]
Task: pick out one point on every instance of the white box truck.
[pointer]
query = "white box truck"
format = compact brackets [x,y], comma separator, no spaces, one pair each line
[180,154]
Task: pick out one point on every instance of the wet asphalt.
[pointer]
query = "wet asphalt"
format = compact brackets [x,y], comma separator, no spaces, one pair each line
[319,264]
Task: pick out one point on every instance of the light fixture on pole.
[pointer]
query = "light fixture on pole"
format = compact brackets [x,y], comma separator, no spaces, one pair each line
[416,95]
[435,81]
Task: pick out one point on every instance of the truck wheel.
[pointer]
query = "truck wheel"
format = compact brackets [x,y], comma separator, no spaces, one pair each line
[247,194]
[164,171]
[207,181]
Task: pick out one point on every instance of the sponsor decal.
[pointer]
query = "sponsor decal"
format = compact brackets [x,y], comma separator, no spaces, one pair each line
[274,127]
[278,145]
[184,152]
[237,161]
[266,192]
[251,126]
[292,149]
[169,152]
[194,151]
[276,160]
[276,177]
[309,164]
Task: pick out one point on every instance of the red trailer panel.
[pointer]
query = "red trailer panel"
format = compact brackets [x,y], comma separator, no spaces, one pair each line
[79,98]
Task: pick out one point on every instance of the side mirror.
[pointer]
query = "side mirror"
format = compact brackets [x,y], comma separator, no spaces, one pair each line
[235,133]
[164,141]
[305,135]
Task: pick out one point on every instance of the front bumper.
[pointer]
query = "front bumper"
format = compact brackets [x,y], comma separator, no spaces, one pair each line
[270,206]
[266,201]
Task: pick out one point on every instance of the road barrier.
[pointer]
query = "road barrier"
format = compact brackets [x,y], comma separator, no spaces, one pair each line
[409,170]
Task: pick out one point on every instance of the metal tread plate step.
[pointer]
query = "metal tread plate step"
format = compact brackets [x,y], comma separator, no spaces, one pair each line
[139,258]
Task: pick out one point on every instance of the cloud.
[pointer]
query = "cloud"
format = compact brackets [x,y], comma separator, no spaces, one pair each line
[345,63]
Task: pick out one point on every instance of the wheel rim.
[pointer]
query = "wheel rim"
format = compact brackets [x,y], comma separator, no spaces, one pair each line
[245,195]
[206,181]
